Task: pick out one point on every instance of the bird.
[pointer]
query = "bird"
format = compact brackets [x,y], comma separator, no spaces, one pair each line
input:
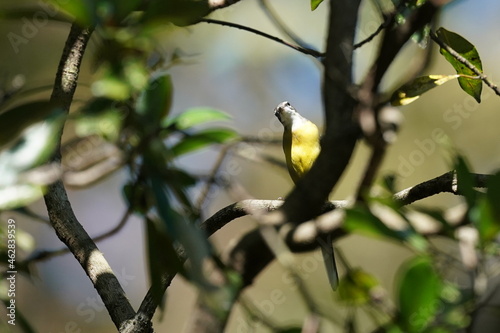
[301,145]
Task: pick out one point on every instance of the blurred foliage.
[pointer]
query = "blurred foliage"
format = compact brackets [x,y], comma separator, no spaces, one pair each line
[131,110]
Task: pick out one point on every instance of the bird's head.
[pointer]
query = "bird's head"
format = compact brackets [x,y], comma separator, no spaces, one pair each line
[287,114]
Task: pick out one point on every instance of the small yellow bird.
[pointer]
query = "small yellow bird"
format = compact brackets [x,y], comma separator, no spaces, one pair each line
[301,147]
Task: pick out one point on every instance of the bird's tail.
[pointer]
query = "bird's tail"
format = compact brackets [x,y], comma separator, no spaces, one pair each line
[329,259]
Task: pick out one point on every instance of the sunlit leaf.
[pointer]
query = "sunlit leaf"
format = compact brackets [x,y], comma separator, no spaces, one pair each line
[356,286]
[81,11]
[203,139]
[13,196]
[468,51]
[155,101]
[112,87]
[195,116]
[412,90]
[36,144]
[421,36]
[14,121]
[419,291]
[315,4]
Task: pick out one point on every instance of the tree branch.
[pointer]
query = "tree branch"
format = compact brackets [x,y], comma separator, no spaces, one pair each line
[251,255]
[283,28]
[341,134]
[367,109]
[445,183]
[301,49]
[61,215]
[47,254]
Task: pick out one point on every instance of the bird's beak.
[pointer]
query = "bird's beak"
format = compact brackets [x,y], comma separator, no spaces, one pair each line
[277,112]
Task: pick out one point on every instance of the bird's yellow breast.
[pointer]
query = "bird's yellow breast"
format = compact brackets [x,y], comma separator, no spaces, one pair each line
[301,147]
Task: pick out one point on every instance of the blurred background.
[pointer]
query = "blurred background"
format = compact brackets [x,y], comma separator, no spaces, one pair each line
[247,76]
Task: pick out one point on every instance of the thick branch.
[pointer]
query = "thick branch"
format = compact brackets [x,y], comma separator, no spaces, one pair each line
[341,134]
[251,255]
[61,215]
[445,183]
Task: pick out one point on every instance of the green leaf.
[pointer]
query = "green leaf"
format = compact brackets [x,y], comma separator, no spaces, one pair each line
[493,193]
[438,216]
[195,116]
[419,291]
[412,90]
[191,238]
[315,4]
[156,99]
[297,329]
[36,144]
[100,116]
[81,11]
[138,197]
[162,257]
[465,181]
[86,12]
[112,87]
[356,287]
[14,121]
[179,12]
[468,51]
[362,221]
[483,214]
[203,139]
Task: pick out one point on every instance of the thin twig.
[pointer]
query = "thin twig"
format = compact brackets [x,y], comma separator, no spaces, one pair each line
[465,62]
[367,110]
[310,52]
[212,178]
[368,39]
[282,26]
[47,254]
